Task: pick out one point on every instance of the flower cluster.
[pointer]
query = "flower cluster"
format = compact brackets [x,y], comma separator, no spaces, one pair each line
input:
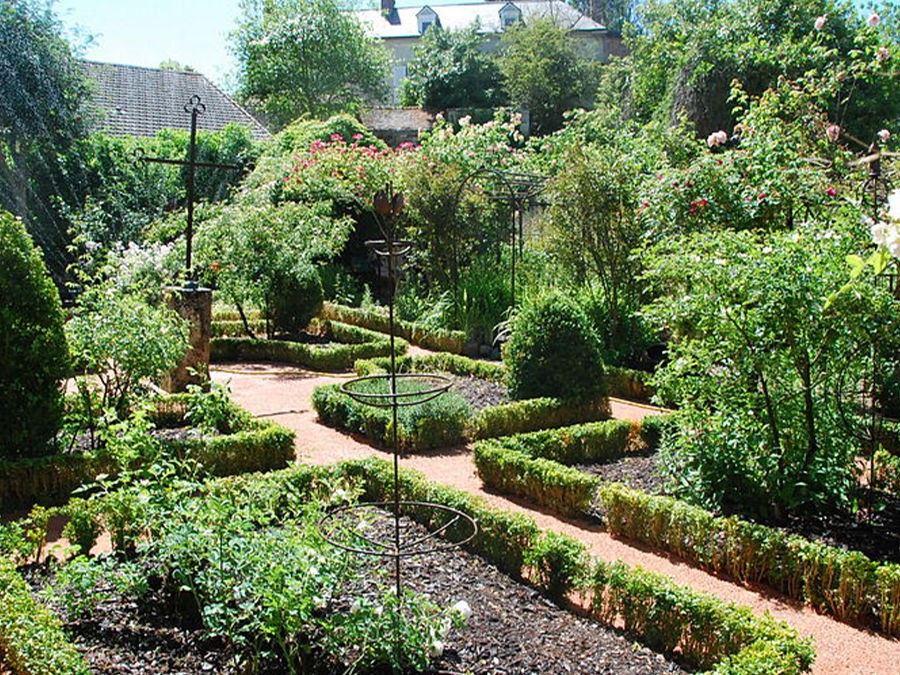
[716,139]
[887,232]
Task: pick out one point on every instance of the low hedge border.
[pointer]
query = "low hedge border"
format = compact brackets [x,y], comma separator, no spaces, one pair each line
[845,584]
[442,362]
[628,384]
[438,339]
[705,631]
[357,343]
[235,327]
[32,641]
[430,425]
[261,446]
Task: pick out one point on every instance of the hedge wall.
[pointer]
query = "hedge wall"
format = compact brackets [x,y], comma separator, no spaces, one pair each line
[357,343]
[431,338]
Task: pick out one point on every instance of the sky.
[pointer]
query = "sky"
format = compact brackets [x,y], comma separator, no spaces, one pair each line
[148,32]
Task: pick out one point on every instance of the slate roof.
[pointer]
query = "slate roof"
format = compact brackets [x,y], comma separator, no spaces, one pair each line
[139,101]
[458,17]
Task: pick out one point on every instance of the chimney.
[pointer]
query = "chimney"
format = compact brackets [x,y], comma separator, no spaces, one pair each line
[389,12]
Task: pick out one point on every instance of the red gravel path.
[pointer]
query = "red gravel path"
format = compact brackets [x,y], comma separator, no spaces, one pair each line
[283,394]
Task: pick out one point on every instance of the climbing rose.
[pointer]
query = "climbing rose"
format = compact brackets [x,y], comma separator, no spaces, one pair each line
[883,54]
[833,131]
[820,22]
[884,135]
[873,19]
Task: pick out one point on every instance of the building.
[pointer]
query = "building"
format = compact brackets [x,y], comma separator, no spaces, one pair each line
[137,101]
[401,27]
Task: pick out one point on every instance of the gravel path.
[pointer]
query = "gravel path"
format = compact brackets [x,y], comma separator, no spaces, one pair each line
[283,394]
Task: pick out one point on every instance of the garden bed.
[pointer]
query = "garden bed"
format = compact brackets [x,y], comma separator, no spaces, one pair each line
[513,629]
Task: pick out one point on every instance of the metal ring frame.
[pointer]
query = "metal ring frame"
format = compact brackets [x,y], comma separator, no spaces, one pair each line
[422,545]
[393,397]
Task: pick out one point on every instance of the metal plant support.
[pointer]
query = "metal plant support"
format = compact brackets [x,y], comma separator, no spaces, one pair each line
[395,390]
[195,108]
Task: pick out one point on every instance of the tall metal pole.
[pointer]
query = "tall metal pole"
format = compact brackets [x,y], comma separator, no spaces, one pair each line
[195,108]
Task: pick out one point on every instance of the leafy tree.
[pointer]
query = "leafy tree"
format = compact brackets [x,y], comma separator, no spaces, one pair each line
[759,362]
[613,14]
[42,90]
[33,354]
[450,69]
[545,72]
[306,58]
[686,54]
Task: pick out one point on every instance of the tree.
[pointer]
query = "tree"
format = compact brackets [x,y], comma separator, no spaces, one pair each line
[306,58]
[760,361]
[42,90]
[449,69]
[544,72]
[686,53]
[613,14]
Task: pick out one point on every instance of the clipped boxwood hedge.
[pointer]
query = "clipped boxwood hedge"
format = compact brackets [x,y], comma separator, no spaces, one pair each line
[845,584]
[438,339]
[257,446]
[32,641]
[705,631]
[628,384]
[356,343]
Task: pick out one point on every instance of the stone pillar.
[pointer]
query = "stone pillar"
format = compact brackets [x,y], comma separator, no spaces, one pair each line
[194,305]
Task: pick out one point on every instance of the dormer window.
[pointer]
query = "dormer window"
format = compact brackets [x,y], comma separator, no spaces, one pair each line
[509,15]
[427,17]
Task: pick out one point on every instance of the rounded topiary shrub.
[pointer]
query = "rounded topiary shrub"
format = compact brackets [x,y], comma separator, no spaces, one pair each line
[33,354]
[553,351]
[296,298]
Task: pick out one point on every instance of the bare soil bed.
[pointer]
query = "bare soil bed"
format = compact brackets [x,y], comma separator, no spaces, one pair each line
[478,392]
[513,630]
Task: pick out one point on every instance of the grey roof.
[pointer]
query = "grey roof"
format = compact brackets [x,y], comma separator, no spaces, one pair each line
[458,17]
[140,101]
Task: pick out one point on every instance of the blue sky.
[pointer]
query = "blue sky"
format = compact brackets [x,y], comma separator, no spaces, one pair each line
[147,32]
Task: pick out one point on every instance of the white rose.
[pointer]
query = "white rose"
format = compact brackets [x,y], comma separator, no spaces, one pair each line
[462,608]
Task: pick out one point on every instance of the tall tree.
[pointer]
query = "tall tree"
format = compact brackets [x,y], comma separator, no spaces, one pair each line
[42,91]
[306,58]
[545,72]
[449,69]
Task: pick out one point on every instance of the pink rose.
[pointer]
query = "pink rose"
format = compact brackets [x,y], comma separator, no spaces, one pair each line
[833,131]
[820,22]
[873,19]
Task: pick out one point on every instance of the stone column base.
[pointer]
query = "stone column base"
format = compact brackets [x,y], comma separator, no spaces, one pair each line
[194,305]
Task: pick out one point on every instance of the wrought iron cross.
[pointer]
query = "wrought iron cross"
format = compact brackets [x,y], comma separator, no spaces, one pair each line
[195,108]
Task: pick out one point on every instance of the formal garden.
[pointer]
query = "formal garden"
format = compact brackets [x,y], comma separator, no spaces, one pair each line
[729,273]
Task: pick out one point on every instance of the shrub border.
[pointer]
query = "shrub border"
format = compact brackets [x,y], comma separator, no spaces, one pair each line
[844,584]
[439,339]
[358,343]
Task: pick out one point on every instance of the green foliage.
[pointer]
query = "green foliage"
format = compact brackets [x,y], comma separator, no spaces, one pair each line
[296,299]
[32,640]
[579,444]
[558,562]
[429,363]
[123,341]
[299,135]
[438,423]
[430,338]
[259,254]
[705,631]
[352,343]
[660,613]
[543,482]
[302,58]
[33,354]
[553,351]
[545,72]
[759,364]
[450,69]
[82,527]
[40,74]
[845,584]
[685,56]
[533,414]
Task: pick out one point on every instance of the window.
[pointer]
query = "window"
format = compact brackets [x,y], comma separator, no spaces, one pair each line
[427,17]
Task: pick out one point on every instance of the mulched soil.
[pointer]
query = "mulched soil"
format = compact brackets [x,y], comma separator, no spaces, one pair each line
[638,471]
[478,392]
[513,630]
